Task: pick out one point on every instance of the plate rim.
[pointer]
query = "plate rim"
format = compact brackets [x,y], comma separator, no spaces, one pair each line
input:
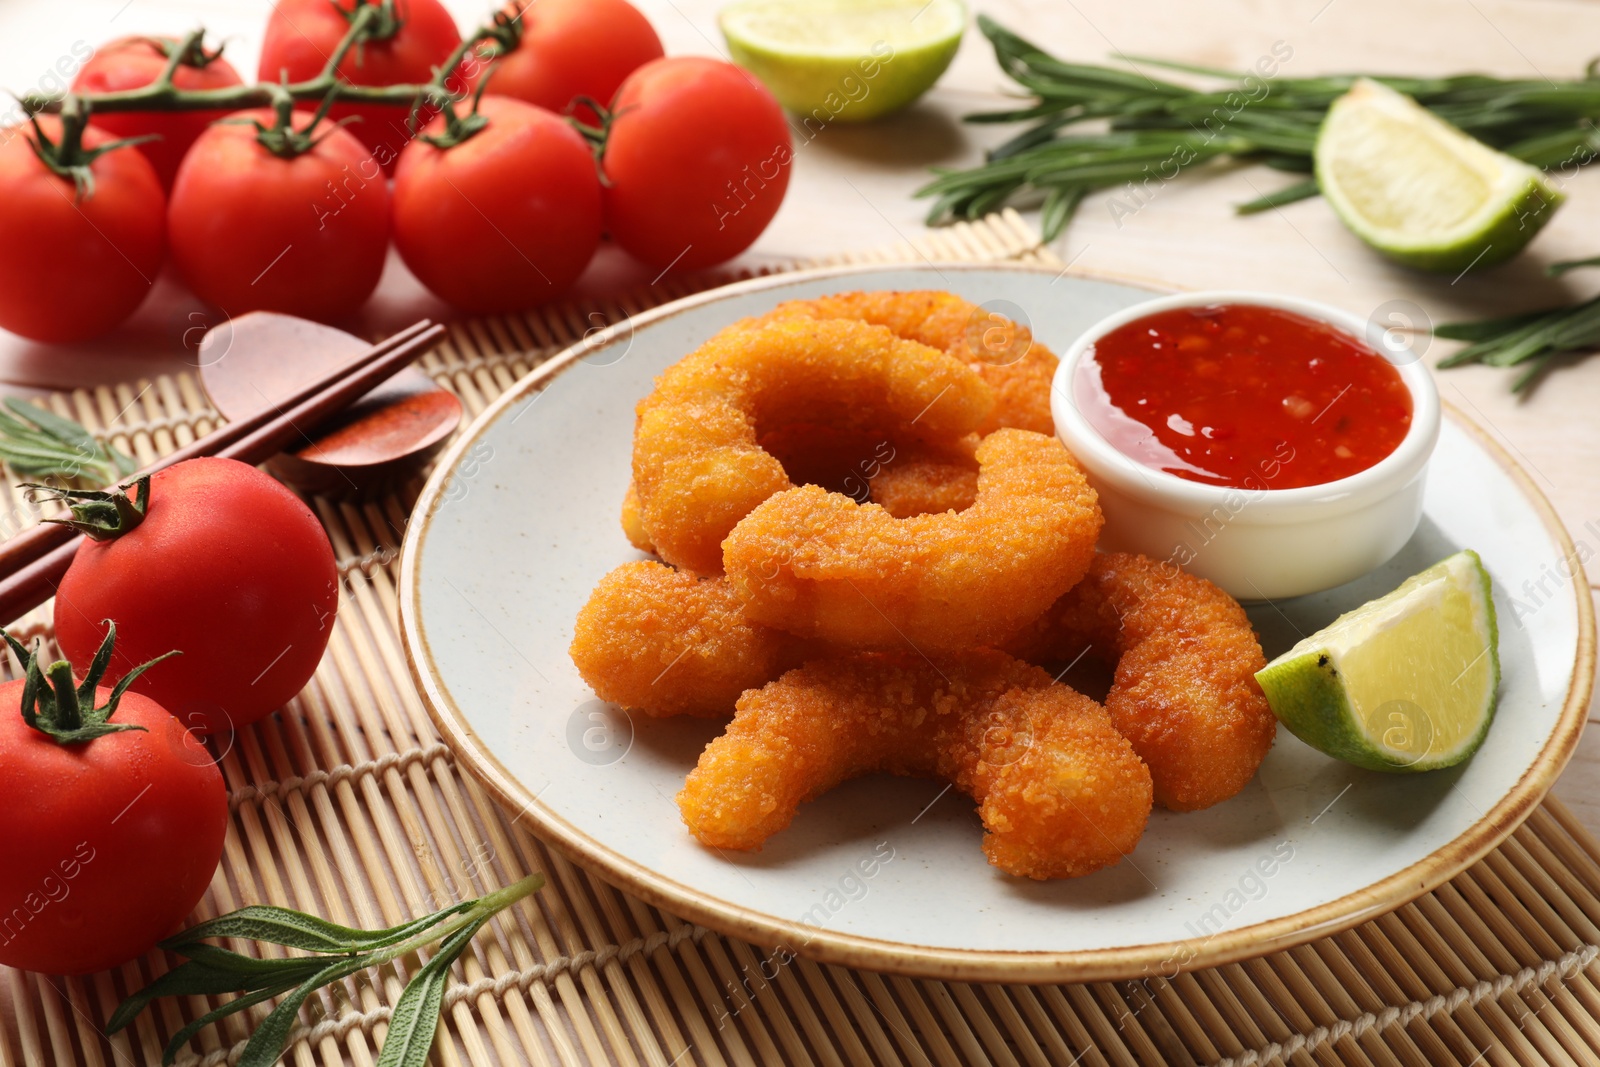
[938,962]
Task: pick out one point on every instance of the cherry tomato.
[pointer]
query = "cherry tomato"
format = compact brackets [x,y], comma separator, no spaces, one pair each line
[251,231]
[73,266]
[108,843]
[131,62]
[302,35]
[573,48]
[228,567]
[697,162]
[504,220]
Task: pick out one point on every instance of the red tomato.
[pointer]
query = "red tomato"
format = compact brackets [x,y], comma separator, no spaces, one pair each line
[252,231]
[697,162]
[130,62]
[504,220]
[572,48]
[302,34]
[73,267]
[228,567]
[108,843]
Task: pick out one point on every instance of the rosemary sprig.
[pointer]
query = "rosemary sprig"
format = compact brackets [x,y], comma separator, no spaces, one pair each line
[335,952]
[1158,128]
[40,443]
[1532,341]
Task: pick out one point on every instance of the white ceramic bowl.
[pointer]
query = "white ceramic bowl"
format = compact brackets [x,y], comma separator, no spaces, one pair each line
[1258,544]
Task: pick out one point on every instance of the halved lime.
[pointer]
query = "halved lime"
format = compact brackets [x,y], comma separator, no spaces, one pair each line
[1419,190]
[844,60]
[1404,683]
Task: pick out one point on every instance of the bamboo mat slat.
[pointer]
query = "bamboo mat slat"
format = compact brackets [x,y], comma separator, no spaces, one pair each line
[347,804]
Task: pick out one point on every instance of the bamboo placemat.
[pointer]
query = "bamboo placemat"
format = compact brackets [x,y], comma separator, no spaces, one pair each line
[346,804]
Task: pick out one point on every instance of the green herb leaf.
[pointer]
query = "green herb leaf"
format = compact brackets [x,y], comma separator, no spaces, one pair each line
[1249,116]
[238,1004]
[1557,269]
[210,978]
[294,929]
[213,970]
[35,440]
[267,1043]
[416,1014]
[1279,197]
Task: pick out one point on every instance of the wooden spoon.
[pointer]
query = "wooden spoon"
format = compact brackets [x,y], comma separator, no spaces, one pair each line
[261,358]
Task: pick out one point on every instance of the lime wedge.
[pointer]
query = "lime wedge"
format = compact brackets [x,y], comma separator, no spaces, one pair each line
[1403,683]
[844,60]
[1419,190]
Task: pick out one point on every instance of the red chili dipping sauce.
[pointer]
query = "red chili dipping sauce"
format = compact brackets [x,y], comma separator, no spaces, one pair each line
[1244,396]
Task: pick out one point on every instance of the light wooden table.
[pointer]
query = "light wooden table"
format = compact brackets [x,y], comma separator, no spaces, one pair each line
[851,188]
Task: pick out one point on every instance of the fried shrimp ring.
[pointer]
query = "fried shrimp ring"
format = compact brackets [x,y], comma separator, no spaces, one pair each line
[633,524]
[907,478]
[1185,692]
[927,479]
[1061,793]
[697,465]
[668,643]
[1002,352]
[819,565]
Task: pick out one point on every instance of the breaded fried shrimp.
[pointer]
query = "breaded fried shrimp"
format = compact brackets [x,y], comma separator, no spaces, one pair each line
[697,465]
[1185,692]
[665,642]
[1060,792]
[819,565]
[1002,352]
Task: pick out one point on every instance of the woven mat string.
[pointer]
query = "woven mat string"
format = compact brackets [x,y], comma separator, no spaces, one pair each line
[1564,966]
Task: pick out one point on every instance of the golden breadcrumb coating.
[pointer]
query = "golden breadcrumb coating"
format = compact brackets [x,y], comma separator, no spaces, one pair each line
[698,467]
[1060,792]
[668,643]
[1185,692]
[632,524]
[820,565]
[1004,353]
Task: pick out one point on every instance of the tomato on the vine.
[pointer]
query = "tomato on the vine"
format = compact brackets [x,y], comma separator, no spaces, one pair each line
[696,162]
[503,220]
[418,35]
[76,257]
[223,564]
[573,48]
[253,230]
[132,62]
[115,817]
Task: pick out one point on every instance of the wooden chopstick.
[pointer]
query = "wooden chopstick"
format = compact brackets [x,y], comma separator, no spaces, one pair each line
[33,562]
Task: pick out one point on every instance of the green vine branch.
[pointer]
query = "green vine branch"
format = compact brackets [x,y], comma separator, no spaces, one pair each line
[370,21]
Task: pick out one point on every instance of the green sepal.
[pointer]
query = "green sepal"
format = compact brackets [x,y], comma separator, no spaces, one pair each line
[55,704]
[68,158]
[99,514]
[381,26]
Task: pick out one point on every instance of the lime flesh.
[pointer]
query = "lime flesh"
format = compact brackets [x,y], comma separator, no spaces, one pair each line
[1419,190]
[1406,682]
[844,60]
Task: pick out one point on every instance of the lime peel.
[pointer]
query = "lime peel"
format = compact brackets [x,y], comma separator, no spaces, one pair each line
[1407,682]
[1419,190]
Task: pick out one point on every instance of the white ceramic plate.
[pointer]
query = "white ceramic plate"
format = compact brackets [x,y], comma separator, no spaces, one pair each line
[520,520]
